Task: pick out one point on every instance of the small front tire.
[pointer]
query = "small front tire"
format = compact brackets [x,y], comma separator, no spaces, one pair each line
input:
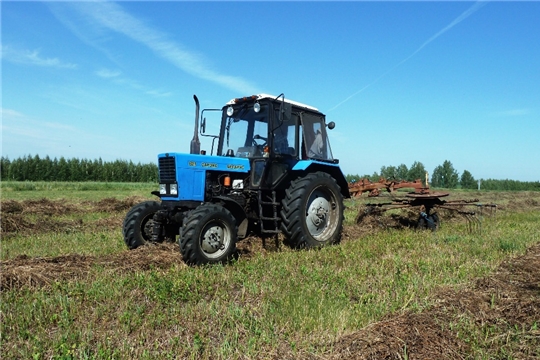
[208,236]
[138,224]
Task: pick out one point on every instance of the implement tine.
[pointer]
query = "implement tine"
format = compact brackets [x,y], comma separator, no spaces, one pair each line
[471,223]
[474,223]
[479,223]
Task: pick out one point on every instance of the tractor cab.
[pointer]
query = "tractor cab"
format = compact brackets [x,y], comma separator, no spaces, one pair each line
[274,134]
[265,126]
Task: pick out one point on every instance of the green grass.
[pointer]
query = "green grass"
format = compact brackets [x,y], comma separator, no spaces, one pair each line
[272,305]
[23,190]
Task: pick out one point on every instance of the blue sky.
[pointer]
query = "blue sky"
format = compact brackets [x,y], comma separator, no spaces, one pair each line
[403,81]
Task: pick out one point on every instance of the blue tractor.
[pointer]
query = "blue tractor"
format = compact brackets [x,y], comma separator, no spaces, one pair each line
[272,173]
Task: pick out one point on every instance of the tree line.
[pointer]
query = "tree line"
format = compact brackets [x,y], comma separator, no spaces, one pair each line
[34,168]
[445,176]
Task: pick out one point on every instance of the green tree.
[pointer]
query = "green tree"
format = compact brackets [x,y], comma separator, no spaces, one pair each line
[4,168]
[47,169]
[402,172]
[445,176]
[62,171]
[417,171]
[389,172]
[467,181]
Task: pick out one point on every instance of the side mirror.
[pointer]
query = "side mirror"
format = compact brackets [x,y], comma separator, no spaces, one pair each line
[285,112]
[203,126]
[331,125]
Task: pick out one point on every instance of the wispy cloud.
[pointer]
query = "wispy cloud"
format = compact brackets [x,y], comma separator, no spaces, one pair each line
[107,74]
[111,16]
[512,113]
[15,123]
[158,93]
[474,8]
[33,57]
[10,113]
[116,77]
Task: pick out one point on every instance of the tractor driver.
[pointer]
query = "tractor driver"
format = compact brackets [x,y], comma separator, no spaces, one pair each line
[316,149]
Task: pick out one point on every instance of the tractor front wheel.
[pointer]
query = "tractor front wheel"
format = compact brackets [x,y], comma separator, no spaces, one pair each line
[312,212]
[138,224]
[208,235]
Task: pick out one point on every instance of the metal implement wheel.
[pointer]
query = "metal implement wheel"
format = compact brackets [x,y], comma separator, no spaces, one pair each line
[138,224]
[430,222]
[208,235]
[312,213]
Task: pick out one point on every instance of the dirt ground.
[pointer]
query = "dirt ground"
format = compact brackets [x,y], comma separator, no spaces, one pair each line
[508,298]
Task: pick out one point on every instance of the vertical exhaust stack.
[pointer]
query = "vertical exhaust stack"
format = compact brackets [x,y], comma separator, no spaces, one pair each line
[195,147]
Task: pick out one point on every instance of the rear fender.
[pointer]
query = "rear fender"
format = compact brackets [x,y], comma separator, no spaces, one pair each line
[310,166]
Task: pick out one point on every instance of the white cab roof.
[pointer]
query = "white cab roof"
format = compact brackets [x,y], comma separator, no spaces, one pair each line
[267,96]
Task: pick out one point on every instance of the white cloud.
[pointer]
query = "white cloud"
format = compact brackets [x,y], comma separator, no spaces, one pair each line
[115,77]
[512,113]
[158,93]
[16,123]
[107,15]
[23,134]
[107,74]
[33,57]
[9,113]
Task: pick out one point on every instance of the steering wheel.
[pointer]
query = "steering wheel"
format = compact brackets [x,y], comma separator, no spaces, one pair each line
[258,137]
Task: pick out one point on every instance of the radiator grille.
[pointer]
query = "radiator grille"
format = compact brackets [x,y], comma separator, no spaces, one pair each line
[167,169]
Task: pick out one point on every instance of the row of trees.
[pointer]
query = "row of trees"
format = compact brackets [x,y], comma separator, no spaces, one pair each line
[34,168]
[445,176]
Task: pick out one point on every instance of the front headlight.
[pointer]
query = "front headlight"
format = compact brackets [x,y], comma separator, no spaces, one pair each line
[162,189]
[174,189]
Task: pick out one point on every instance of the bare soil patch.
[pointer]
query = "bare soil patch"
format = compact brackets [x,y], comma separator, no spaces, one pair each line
[24,271]
[45,215]
[509,300]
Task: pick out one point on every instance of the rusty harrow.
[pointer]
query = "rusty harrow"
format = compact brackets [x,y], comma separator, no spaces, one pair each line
[423,199]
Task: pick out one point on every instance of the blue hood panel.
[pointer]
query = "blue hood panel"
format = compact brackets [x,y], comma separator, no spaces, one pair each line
[191,172]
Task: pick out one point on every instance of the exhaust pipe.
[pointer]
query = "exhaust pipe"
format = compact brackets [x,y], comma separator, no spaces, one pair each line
[195,147]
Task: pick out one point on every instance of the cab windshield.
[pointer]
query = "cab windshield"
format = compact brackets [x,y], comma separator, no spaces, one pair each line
[245,132]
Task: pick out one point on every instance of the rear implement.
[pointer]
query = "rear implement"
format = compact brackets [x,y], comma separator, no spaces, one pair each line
[427,203]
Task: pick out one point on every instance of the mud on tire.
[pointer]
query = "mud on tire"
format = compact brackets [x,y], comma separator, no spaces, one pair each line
[208,235]
[312,211]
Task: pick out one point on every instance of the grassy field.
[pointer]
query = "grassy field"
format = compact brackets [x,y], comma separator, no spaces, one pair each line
[70,289]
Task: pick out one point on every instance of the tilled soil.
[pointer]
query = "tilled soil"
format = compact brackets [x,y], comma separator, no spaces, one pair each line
[508,299]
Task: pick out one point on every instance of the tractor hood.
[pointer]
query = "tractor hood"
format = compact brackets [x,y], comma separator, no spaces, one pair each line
[183,176]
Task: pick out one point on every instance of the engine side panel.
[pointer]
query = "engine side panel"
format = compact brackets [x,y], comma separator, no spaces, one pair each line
[189,173]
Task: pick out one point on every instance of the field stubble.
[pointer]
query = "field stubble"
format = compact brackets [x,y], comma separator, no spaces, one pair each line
[386,292]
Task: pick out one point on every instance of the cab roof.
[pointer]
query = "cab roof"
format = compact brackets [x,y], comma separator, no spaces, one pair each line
[271,97]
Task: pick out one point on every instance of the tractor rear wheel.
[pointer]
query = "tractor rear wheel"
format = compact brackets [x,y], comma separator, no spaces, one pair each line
[312,212]
[138,224]
[208,235]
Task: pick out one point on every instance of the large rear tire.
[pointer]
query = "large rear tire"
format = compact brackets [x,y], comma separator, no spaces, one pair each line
[312,212]
[138,224]
[208,236]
